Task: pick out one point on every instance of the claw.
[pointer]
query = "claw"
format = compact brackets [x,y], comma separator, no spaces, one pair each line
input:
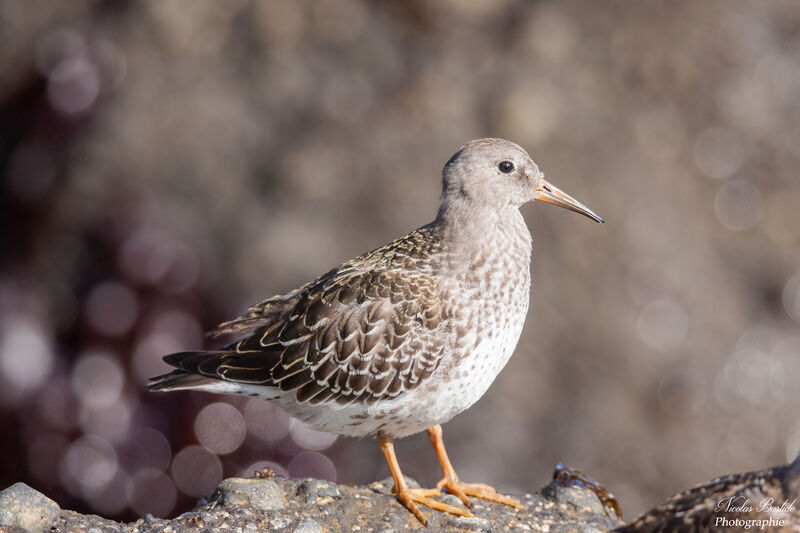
[486,492]
[408,496]
[408,501]
[455,486]
[479,490]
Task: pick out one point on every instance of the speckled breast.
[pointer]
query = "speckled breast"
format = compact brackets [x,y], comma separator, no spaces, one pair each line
[491,299]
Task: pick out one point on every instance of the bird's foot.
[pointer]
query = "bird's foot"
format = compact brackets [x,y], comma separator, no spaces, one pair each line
[479,490]
[408,497]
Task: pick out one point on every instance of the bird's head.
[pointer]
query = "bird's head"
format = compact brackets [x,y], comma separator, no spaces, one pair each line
[500,174]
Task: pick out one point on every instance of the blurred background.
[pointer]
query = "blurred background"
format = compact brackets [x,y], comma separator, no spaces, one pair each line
[164,164]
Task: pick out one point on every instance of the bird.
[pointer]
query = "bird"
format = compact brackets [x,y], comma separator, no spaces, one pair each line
[400,339]
[759,500]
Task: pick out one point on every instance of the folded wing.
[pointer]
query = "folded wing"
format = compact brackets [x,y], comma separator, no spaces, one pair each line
[347,337]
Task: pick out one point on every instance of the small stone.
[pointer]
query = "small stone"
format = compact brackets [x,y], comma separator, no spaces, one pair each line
[472,523]
[331,491]
[261,494]
[250,528]
[451,499]
[311,490]
[308,526]
[26,508]
[394,522]
[279,523]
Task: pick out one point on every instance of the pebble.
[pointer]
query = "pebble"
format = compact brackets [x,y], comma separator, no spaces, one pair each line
[473,523]
[308,526]
[452,499]
[26,508]
[394,522]
[313,489]
[279,523]
[261,494]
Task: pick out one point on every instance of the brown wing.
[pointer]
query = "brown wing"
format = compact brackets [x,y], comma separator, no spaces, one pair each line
[357,337]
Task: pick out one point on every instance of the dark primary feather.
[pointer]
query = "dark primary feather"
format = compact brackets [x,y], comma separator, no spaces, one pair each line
[177,379]
[361,332]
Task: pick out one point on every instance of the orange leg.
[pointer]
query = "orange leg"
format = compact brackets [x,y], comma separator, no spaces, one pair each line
[408,496]
[456,486]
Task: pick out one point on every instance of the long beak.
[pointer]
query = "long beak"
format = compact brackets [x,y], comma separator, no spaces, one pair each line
[553,195]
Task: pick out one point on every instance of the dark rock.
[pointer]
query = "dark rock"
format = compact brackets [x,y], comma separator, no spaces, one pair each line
[26,509]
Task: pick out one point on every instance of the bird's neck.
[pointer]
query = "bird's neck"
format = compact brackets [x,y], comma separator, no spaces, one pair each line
[468,230]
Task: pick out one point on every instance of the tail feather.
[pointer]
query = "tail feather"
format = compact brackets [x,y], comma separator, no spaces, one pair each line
[195,370]
[194,361]
[211,371]
[178,380]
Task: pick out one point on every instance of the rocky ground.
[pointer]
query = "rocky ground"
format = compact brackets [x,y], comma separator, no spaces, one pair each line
[764,500]
[314,506]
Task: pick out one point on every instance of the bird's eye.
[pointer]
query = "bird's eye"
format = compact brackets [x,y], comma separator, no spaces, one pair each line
[505,166]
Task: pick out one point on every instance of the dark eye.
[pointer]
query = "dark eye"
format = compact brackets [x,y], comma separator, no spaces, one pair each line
[505,166]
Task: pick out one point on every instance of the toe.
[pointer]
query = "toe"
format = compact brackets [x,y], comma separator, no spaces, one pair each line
[481,486]
[406,499]
[422,496]
[486,492]
[456,490]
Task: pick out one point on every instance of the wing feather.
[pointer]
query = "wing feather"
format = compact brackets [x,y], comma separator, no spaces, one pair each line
[359,333]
